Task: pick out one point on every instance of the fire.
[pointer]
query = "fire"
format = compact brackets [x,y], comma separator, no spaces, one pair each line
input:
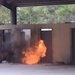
[34,54]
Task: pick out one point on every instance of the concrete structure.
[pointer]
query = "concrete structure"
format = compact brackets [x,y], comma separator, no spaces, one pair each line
[61,33]
[61,39]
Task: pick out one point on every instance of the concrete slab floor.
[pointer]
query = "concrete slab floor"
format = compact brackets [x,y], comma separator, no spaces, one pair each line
[39,69]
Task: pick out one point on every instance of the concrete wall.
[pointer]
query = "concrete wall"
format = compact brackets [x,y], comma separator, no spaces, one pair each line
[61,44]
[61,39]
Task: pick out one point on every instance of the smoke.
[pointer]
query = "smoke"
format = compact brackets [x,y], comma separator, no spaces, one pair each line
[5,39]
[6,52]
[14,40]
[19,41]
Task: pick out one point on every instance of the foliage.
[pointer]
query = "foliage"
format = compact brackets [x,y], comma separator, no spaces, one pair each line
[48,14]
[4,15]
[40,14]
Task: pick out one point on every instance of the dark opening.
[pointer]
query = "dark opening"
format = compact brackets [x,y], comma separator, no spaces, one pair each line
[5,39]
[73,46]
[46,35]
[6,53]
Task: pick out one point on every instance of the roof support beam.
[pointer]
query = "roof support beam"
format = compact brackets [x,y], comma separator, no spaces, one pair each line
[45,2]
[9,6]
[18,3]
[14,15]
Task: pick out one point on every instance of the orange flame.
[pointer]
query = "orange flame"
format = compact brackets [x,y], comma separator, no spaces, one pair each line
[34,54]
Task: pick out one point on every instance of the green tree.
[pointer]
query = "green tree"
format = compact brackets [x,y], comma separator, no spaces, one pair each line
[40,14]
[66,13]
[33,15]
[4,15]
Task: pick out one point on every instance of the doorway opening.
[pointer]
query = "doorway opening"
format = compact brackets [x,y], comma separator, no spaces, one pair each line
[46,35]
[73,47]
